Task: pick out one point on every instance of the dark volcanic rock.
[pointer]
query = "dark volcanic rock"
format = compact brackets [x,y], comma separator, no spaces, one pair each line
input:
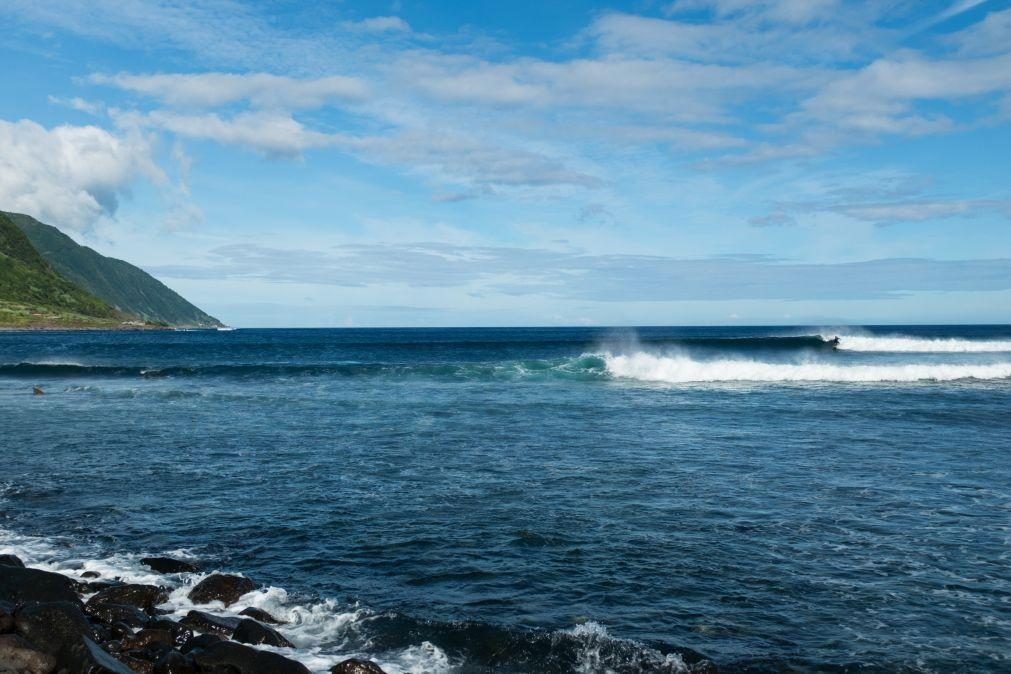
[221,587]
[200,642]
[168,565]
[56,628]
[99,585]
[261,615]
[135,664]
[180,633]
[19,656]
[251,632]
[175,662]
[89,658]
[246,660]
[111,614]
[24,585]
[91,574]
[11,560]
[144,597]
[356,666]
[6,617]
[205,622]
[145,638]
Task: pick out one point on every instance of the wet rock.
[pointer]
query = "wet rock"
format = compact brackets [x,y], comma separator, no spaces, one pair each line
[119,630]
[168,565]
[144,597]
[56,628]
[175,662]
[6,617]
[180,633]
[205,622]
[19,585]
[99,585]
[18,656]
[261,615]
[91,574]
[138,665]
[356,666]
[251,632]
[246,660]
[200,642]
[221,587]
[89,658]
[145,638]
[11,560]
[117,613]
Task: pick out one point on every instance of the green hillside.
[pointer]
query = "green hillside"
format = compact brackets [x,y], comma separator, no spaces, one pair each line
[33,294]
[120,284]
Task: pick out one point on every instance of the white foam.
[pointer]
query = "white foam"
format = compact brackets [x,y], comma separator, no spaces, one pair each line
[903,344]
[321,632]
[682,369]
[597,647]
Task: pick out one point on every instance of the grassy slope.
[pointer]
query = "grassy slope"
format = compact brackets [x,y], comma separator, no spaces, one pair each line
[118,283]
[32,294]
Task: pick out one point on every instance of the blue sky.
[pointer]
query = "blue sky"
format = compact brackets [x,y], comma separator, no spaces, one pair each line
[527,163]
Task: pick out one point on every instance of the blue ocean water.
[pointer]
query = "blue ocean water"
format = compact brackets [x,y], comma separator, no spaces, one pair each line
[541,500]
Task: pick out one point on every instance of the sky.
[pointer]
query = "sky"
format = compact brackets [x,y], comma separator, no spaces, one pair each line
[443,163]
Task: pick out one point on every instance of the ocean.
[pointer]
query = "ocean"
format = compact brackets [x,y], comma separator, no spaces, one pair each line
[539,500]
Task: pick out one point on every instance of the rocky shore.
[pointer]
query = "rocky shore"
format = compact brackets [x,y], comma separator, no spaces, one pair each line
[51,623]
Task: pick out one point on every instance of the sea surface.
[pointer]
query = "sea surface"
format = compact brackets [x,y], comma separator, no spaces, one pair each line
[540,500]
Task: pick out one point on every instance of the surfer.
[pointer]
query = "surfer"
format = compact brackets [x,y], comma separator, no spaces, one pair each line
[834,342]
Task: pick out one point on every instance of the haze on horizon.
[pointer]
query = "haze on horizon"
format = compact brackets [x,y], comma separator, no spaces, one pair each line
[572,163]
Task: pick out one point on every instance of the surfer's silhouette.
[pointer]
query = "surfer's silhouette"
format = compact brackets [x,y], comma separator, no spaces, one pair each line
[834,342]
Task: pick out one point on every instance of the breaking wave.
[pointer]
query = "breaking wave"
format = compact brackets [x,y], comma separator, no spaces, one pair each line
[902,344]
[682,369]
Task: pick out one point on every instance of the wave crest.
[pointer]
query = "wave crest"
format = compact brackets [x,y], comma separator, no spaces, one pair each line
[902,344]
[682,370]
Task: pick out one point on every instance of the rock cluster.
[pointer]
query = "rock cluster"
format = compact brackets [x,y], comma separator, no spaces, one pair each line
[46,628]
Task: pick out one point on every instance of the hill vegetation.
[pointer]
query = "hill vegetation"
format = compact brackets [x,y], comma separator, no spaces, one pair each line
[115,283]
[32,294]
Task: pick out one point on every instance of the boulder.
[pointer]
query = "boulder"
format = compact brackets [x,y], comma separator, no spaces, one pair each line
[11,560]
[56,628]
[145,638]
[89,658]
[200,642]
[19,656]
[135,664]
[20,585]
[144,597]
[168,565]
[205,622]
[356,666]
[6,617]
[261,615]
[175,662]
[221,587]
[246,660]
[117,613]
[180,633]
[251,632]
[91,574]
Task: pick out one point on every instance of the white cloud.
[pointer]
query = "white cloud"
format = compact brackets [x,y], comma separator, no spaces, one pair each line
[70,175]
[261,90]
[272,134]
[380,24]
